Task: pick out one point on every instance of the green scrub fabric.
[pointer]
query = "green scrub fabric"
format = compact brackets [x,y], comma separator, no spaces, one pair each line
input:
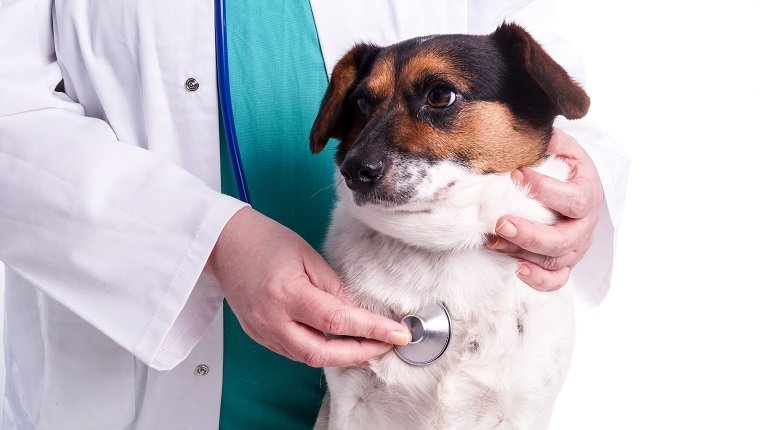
[277,79]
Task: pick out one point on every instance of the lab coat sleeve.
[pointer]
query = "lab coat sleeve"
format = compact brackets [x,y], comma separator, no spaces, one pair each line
[115,233]
[590,278]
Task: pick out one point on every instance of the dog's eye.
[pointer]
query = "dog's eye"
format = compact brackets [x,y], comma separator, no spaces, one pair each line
[441,97]
[362,106]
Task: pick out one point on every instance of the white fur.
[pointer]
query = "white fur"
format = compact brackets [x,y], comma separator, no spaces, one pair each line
[396,260]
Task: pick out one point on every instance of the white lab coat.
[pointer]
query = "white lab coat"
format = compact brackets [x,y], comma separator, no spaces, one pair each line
[109,202]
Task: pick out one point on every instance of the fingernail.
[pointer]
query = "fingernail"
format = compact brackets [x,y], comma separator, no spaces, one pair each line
[518,177]
[492,242]
[506,229]
[400,338]
[523,270]
[496,243]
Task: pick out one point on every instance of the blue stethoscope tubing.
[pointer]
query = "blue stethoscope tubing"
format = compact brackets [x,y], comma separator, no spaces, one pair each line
[225,99]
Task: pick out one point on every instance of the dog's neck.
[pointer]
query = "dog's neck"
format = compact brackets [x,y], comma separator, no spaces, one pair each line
[462,218]
[426,256]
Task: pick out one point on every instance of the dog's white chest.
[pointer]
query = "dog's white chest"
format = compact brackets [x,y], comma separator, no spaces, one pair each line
[510,345]
[509,349]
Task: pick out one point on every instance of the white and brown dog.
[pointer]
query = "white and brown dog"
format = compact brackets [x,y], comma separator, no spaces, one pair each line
[430,130]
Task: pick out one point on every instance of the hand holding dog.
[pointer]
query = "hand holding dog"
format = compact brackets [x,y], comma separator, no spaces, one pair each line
[286,296]
[548,253]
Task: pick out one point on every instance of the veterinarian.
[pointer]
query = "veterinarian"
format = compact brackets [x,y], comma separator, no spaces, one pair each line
[119,246]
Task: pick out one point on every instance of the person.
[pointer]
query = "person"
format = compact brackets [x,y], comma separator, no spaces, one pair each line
[119,247]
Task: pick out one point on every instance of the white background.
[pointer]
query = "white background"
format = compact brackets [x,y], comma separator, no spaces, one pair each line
[676,344]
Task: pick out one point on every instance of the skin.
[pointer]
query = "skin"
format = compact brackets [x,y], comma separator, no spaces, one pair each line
[549,252]
[286,296]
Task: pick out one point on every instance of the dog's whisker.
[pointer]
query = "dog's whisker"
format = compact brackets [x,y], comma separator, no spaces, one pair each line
[335,185]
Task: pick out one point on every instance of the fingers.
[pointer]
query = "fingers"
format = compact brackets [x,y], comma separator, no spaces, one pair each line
[321,275]
[313,348]
[287,297]
[324,309]
[552,240]
[327,314]
[580,195]
[564,145]
[544,261]
[571,199]
[542,279]
[542,272]
[548,252]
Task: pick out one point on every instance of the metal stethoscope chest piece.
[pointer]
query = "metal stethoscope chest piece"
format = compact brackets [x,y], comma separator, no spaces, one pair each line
[431,332]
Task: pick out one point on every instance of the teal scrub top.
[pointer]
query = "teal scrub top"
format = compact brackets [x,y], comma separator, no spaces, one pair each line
[277,79]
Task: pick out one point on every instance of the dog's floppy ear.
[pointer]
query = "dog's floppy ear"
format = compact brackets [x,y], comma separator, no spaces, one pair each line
[535,78]
[336,115]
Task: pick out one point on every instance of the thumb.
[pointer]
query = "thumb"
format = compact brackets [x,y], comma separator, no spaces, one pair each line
[322,276]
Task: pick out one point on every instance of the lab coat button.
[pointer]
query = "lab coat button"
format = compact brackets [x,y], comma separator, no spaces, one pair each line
[201,370]
[191,84]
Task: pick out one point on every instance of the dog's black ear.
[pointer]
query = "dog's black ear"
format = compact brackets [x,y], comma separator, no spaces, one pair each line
[336,114]
[536,81]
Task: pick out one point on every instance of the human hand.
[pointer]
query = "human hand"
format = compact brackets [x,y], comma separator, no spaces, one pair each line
[286,297]
[549,252]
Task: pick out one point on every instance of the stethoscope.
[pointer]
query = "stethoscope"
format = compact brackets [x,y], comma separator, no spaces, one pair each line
[225,100]
[431,326]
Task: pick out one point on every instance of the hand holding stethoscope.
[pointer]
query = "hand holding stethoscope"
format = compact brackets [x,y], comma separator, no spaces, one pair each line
[286,296]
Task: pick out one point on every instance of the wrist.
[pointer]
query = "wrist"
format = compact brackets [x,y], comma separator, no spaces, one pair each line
[228,243]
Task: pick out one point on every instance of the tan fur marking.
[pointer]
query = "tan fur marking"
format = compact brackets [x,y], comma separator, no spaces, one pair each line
[428,63]
[485,134]
[382,78]
[343,76]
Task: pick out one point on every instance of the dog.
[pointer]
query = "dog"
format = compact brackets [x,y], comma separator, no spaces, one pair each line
[430,130]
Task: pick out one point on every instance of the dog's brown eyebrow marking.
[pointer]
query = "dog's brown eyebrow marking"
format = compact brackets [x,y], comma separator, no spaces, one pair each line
[431,63]
[382,78]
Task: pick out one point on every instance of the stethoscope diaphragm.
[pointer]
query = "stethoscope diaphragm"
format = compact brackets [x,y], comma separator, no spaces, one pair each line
[431,332]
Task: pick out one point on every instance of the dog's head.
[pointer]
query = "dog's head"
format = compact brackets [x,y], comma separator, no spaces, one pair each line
[415,116]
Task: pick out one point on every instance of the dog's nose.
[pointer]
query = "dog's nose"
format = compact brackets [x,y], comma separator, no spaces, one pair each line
[361,173]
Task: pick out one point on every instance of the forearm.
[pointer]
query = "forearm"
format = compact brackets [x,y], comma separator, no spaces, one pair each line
[94,221]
